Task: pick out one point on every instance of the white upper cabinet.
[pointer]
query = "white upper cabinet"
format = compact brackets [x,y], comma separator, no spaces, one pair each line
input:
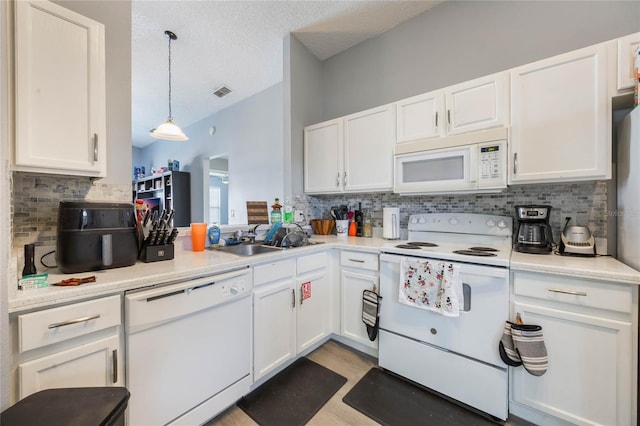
[473,105]
[626,48]
[323,158]
[60,91]
[477,104]
[561,118]
[420,117]
[350,154]
[368,150]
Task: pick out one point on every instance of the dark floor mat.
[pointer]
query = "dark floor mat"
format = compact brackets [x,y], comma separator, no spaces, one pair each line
[392,401]
[293,396]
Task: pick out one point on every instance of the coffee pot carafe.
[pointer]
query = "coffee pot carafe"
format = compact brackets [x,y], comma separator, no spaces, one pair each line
[534,232]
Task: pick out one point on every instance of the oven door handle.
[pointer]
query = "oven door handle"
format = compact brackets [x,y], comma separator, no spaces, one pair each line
[481,270]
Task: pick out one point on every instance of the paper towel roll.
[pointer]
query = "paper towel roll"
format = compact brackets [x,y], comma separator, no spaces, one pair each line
[391,223]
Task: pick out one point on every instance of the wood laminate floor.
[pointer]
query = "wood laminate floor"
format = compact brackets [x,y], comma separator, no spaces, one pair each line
[344,361]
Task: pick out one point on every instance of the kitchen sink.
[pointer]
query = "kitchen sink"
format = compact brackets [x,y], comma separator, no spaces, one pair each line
[251,249]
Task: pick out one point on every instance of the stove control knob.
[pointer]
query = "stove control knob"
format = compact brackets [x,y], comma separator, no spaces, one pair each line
[453,221]
[502,224]
[414,220]
[422,220]
[491,223]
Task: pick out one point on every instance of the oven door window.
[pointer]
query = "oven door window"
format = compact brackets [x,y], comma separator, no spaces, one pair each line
[434,171]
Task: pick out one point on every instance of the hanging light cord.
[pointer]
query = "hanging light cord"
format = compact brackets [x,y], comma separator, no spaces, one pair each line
[171,36]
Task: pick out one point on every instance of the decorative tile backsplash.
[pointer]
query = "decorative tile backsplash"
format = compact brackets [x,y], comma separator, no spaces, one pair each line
[585,202]
[36,198]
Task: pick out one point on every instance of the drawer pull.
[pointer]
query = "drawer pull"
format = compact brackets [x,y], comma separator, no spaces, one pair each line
[575,293]
[356,260]
[74,321]
[114,357]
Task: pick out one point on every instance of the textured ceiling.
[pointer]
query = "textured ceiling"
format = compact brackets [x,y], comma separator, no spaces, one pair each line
[238,44]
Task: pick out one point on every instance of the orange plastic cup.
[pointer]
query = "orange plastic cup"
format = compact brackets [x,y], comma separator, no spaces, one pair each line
[198,236]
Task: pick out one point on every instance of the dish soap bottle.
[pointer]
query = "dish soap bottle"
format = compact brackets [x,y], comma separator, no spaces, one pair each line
[276,214]
[288,212]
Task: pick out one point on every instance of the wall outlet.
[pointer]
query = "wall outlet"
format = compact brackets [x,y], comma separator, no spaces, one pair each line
[298,216]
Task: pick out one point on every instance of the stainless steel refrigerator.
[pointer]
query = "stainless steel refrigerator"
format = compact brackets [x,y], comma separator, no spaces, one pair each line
[628,177]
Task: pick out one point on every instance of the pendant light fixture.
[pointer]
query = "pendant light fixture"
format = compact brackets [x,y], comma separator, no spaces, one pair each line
[169,130]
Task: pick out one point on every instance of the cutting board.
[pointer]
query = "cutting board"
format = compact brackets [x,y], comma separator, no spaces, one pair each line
[257,212]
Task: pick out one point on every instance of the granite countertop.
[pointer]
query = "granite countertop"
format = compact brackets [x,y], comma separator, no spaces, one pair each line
[604,268]
[188,264]
[185,265]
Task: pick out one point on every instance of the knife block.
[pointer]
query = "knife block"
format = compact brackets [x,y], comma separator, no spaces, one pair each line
[157,253]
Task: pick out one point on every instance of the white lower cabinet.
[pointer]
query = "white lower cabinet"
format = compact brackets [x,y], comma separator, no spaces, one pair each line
[87,365]
[77,345]
[358,272]
[589,331]
[313,313]
[291,312]
[274,323]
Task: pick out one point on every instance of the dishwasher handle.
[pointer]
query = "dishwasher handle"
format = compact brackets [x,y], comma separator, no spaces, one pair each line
[163,292]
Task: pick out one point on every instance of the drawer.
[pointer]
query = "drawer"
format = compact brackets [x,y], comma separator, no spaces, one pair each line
[311,262]
[360,260]
[273,271]
[592,294]
[55,325]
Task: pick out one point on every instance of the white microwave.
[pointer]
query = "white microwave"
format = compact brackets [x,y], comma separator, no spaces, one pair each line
[479,166]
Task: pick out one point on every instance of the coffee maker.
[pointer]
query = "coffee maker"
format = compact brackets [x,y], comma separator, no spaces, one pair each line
[534,232]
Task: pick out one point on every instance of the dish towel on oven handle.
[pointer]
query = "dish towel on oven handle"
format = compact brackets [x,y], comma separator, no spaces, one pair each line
[435,286]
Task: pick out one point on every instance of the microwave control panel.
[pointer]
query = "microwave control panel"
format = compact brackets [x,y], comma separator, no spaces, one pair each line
[491,162]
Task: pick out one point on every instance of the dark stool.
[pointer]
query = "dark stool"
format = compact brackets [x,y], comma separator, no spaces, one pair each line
[99,406]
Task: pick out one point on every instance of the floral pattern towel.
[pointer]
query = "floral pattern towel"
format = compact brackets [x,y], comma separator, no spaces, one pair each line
[434,286]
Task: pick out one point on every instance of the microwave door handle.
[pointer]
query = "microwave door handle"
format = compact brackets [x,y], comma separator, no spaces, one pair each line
[473,164]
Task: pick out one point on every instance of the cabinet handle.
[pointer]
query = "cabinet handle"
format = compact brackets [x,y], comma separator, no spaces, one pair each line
[356,260]
[449,118]
[344,179]
[95,147]
[436,124]
[575,293]
[293,298]
[74,321]
[114,357]
[338,179]
[301,295]
[515,163]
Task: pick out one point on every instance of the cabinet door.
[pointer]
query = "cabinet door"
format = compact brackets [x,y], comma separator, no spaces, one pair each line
[626,48]
[561,118]
[477,104]
[97,363]
[323,157]
[420,117]
[353,284]
[368,150]
[590,363]
[273,326]
[314,312]
[60,91]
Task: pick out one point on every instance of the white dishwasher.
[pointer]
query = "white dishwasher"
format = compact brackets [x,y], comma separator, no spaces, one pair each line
[188,349]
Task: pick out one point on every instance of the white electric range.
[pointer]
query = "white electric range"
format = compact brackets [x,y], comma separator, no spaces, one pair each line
[455,356]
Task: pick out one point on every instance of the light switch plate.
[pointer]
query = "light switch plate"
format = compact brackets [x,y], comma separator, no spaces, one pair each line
[298,216]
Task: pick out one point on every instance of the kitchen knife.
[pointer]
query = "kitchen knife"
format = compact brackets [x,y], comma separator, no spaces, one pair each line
[172,237]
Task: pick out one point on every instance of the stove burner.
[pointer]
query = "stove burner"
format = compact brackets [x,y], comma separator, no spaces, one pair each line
[408,246]
[422,244]
[483,249]
[474,253]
